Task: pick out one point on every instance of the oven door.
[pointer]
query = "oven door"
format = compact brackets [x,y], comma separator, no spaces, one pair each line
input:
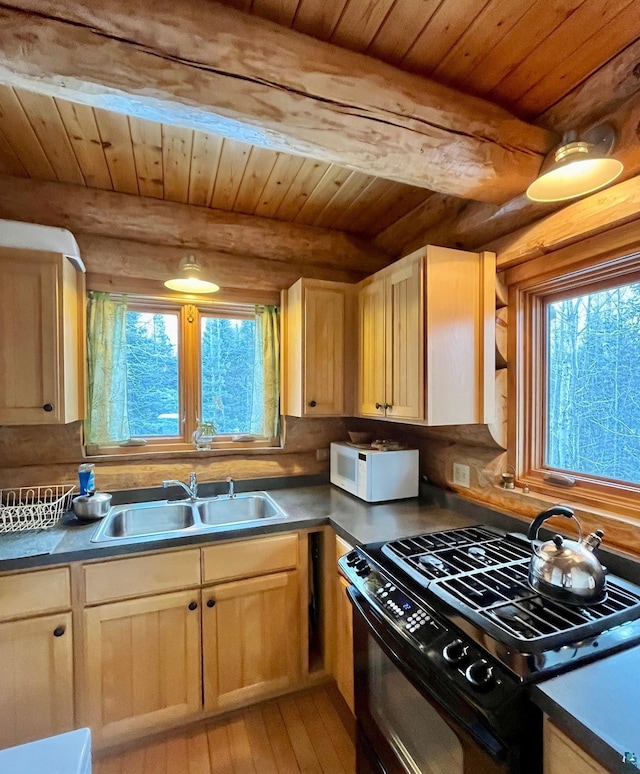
[407,723]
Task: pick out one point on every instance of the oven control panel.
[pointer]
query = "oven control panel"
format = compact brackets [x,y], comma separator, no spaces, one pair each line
[450,652]
[414,620]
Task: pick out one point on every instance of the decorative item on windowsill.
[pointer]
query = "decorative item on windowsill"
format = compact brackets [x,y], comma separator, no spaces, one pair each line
[509,478]
[203,436]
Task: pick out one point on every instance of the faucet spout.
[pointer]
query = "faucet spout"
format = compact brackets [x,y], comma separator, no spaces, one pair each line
[191,488]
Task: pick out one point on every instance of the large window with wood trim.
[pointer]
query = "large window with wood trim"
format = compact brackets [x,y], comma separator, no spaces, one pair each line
[576,411]
[165,375]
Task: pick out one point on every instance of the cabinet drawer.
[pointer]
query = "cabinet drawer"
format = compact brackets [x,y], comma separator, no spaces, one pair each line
[33,593]
[122,578]
[249,557]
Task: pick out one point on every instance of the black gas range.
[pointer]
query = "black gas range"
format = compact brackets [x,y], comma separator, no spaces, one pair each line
[453,611]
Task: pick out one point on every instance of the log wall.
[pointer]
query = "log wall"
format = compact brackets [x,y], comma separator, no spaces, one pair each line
[51,455]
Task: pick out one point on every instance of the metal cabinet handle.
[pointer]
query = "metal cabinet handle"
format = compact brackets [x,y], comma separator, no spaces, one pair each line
[211,603]
[312,403]
[193,605]
[59,631]
[379,405]
[48,407]
[388,406]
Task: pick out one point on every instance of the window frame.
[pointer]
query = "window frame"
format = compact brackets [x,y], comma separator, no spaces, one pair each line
[595,264]
[190,313]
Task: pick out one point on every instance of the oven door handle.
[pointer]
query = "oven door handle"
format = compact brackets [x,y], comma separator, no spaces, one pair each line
[379,629]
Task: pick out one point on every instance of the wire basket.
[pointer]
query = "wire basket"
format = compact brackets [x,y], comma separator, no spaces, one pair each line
[33,507]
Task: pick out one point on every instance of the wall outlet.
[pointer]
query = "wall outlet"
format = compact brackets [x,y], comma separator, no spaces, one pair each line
[461,474]
[322,454]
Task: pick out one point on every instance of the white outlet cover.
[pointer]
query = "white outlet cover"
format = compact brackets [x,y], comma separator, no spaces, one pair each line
[461,474]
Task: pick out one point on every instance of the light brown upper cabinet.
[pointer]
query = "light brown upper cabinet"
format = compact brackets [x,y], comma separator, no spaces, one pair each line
[427,339]
[391,327]
[42,341]
[318,343]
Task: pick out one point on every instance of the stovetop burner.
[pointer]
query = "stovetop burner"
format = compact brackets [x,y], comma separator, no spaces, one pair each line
[483,575]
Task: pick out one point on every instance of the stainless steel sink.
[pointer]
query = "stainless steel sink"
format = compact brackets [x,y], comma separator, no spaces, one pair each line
[142,519]
[165,518]
[248,506]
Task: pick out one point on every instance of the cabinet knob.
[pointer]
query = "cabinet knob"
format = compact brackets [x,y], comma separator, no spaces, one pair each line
[312,403]
[379,405]
[59,631]
[48,407]
[211,603]
[387,406]
[193,605]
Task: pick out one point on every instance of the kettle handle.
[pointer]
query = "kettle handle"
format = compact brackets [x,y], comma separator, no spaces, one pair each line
[557,510]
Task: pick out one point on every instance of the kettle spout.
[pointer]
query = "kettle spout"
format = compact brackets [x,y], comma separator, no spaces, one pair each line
[593,540]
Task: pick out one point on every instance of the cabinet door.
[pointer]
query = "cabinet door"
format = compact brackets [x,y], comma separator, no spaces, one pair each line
[404,334]
[250,638]
[30,344]
[562,755]
[142,663]
[36,679]
[371,355]
[324,354]
[343,667]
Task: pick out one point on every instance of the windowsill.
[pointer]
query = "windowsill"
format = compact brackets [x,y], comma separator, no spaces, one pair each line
[621,533]
[142,453]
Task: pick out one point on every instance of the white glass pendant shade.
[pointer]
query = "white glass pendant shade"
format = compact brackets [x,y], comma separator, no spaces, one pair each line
[190,278]
[577,168]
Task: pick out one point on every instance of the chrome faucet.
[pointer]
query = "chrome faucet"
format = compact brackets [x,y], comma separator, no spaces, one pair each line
[191,489]
[231,487]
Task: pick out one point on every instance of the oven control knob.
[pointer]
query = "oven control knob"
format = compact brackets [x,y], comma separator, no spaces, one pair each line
[352,558]
[455,652]
[362,568]
[480,674]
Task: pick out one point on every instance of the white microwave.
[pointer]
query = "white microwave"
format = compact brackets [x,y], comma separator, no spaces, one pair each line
[375,475]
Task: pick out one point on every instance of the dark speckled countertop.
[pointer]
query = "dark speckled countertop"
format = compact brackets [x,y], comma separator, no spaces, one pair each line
[598,705]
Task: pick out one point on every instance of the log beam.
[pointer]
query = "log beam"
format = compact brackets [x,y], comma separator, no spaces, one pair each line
[212,68]
[139,267]
[588,217]
[155,221]
[477,225]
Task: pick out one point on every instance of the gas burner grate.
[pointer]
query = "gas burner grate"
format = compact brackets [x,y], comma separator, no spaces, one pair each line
[446,554]
[503,598]
[483,575]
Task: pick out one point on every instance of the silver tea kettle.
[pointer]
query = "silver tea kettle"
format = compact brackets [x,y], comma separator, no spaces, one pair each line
[566,570]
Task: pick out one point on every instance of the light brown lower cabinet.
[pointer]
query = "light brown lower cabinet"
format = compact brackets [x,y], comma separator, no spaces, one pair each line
[142,663]
[343,667]
[343,631]
[250,638]
[562,755]
[36,678]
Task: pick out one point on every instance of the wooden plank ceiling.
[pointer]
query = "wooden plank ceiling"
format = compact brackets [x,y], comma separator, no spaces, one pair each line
[523,54]
[52,139]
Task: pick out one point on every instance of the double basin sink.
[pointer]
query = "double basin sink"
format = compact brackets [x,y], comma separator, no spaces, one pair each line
[125,522]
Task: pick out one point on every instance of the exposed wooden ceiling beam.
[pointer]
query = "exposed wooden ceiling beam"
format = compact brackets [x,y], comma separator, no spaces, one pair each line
[474,225]
[212,68]
[599,212]
[154,221]
[140,267]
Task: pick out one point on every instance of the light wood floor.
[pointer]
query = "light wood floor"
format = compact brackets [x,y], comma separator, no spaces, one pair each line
[302,732]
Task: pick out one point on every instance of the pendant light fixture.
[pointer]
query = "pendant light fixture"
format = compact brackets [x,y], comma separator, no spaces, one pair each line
[189,279]
[578,166]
